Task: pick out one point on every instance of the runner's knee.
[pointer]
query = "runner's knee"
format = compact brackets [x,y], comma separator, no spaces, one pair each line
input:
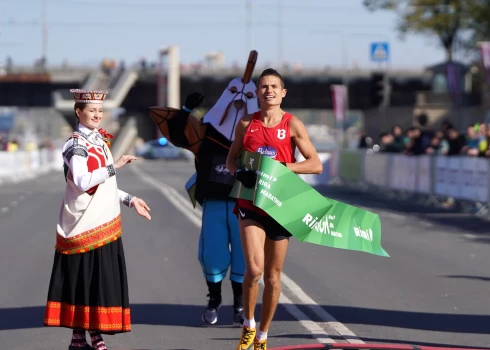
[255,271]
[272,278]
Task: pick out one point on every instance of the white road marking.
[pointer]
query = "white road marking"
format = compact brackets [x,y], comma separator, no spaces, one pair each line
[194,215]
[14,203]
[175,199]
[319,311]
[304,320]
[4,209]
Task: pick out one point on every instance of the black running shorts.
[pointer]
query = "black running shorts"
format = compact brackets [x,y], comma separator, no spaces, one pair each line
[273,230]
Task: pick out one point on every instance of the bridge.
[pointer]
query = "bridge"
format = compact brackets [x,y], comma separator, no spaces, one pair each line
[135,88]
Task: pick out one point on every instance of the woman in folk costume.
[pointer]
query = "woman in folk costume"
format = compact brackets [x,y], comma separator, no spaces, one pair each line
[88,290]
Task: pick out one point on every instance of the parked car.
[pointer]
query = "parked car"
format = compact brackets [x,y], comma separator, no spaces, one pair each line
[160,149]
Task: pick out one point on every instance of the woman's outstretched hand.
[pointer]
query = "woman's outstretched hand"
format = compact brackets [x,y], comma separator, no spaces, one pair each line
[141,207]
[123,160]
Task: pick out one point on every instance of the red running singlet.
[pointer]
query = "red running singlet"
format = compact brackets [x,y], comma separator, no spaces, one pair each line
[273,142]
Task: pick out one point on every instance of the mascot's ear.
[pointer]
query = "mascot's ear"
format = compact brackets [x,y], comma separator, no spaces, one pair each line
[160,115]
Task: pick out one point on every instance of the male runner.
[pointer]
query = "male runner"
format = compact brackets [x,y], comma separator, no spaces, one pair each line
[275,133]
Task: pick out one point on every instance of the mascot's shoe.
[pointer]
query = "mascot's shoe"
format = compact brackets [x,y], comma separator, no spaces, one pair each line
[210,314]
[247,340]
[238,317]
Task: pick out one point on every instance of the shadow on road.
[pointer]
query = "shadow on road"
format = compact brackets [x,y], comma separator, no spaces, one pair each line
[474,278]
[189,316]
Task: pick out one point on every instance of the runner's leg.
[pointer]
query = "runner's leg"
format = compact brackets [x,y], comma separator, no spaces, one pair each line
[275,253]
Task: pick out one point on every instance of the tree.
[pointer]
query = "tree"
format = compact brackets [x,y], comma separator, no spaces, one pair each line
[479,22]
[445,19]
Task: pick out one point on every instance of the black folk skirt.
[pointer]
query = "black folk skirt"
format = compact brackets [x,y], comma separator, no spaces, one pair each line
[89,291]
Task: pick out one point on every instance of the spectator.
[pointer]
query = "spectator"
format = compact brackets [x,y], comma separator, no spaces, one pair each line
[388,143]
[456,142]
[475,142]
[438,146]
[481,130]
[446,126]
[412,144]
[399,141]
[12,146]
[485,144]
[472,141]
[426,135]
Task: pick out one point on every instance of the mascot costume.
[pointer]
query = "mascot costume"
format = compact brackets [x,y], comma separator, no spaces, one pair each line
[210,140]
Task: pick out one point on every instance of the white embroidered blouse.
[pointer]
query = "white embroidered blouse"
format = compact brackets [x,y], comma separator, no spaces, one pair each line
[86,158]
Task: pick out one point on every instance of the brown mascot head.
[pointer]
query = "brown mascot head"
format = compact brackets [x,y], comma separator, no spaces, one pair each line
[223,116]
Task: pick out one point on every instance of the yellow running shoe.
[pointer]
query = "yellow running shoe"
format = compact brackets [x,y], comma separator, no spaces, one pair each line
[260,345]
[247,339]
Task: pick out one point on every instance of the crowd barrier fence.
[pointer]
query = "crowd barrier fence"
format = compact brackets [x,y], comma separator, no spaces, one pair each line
[22,165]
[432,178]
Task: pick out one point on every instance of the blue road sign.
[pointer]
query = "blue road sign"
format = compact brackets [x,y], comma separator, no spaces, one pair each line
[380,52]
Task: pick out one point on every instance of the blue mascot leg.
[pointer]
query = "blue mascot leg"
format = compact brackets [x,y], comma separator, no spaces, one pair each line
[214,251]
[237,271]
[214,254]
[237,258]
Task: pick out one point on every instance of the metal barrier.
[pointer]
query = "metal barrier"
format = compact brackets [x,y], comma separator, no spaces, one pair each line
[430,179]
[20,165]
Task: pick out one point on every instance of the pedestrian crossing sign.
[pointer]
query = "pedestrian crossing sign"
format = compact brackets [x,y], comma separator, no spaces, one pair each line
[380,52]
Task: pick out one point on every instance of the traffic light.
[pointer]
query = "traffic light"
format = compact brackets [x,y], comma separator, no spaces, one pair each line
[380,89]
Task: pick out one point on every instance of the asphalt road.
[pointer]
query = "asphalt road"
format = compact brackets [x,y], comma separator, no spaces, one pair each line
[433,290]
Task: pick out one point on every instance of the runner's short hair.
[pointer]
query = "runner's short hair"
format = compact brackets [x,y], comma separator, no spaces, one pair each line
[273,72]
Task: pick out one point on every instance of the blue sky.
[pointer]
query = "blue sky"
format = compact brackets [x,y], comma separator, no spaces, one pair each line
[86,31]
